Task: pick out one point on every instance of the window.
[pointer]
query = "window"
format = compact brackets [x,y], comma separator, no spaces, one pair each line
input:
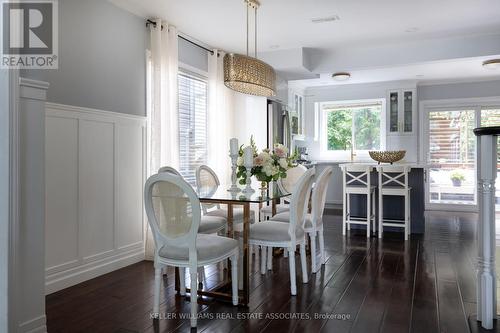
[351,125]
[451,153]
[192,124]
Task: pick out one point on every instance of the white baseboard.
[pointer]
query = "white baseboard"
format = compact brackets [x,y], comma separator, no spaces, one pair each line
[79,274]
[35,325]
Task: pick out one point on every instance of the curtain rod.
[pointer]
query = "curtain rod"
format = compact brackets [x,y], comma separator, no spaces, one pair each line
[148,22]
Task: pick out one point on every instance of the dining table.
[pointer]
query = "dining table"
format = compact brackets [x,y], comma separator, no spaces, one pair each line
[220,195]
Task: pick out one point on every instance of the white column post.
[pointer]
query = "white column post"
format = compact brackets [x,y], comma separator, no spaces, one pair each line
[29,284]
[486,276]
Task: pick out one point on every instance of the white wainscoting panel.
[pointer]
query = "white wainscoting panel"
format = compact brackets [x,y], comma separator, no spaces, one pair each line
[129,201]
[95,171]
[96,189]
[61,191]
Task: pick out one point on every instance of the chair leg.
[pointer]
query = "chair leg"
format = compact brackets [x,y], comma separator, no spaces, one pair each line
[194,295]
[182,278]
[269,258]
[240,267]
[157,287]
[293,282]
[348,218]
[263,259]
[374,214]
[234,278]
[201,277]
[312,236]
[303,261]
[409,213]
[380,214]
[322,246]
[406,217]
[368,215]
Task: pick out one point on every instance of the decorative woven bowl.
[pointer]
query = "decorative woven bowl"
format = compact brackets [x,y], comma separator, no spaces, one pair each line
[387,156]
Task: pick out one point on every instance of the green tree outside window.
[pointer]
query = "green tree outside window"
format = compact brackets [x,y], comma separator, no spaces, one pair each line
[366,128]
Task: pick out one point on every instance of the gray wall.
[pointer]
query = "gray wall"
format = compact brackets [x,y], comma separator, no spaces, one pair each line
[101,58]
[193,55]
[459,90]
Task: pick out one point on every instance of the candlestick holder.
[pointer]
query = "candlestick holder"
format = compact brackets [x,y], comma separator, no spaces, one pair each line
[234,187]
[248,188]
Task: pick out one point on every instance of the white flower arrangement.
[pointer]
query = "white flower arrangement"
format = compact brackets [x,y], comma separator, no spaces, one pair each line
[267,165]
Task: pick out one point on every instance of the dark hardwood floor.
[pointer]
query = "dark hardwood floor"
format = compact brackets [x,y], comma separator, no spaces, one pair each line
[426,285]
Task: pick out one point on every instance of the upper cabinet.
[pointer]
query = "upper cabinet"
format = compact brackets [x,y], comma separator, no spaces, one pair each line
[401,111]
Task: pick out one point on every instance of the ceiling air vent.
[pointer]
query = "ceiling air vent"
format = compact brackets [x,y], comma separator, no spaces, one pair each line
[325,19]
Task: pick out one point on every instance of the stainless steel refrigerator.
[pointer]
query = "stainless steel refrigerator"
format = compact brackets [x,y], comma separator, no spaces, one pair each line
[278,125]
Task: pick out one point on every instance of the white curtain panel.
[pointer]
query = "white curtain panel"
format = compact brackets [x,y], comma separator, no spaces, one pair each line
[220,118]
[164,134]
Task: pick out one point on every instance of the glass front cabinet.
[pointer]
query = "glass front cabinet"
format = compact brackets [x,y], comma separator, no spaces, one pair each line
[401,111]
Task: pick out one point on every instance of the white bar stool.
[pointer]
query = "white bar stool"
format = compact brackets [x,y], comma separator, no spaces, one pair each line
[393,181]
[356,180]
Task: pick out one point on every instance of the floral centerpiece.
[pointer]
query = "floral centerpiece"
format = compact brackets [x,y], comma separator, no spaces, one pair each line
[268,165]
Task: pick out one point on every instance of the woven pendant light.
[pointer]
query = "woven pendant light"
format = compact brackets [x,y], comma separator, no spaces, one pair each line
[249,75]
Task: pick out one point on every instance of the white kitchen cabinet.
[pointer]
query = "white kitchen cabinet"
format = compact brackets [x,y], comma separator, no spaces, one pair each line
[401,112]
[402,122]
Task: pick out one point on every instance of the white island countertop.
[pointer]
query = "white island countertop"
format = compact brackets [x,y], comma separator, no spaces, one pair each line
[367,162]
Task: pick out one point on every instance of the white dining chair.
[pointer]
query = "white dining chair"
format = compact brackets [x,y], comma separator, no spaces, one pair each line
[285,185]
[393,181]
[269,234]
[356,180]
[174,213]
[208,182]
[313,224]
[206,178]
[208,224]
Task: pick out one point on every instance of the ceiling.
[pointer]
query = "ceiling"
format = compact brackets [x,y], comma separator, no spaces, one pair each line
[286,25]
[469,69]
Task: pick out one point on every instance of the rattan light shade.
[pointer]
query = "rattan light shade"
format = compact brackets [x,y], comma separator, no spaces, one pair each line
[249,75]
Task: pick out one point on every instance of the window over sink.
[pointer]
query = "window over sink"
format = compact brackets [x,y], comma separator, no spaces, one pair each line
[352,127]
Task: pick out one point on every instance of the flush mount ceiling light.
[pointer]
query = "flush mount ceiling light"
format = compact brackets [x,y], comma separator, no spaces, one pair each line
[325,19]
[246,74]
[341,76]
[492,64]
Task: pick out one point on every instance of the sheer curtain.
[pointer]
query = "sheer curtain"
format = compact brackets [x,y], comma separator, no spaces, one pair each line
[163,117]
[220,118]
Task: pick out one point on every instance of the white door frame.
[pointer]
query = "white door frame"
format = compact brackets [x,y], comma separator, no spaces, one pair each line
[455,104]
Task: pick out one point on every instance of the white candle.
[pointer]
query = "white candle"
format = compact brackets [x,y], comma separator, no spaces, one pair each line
[248,157]
[233,146]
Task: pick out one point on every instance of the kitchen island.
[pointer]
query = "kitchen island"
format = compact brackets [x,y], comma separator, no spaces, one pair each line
[393,206]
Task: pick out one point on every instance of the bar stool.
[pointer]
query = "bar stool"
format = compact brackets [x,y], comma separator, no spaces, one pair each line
[356,180]
[393,181]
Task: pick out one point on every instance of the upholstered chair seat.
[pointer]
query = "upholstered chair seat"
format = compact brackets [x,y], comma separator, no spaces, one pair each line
[273,231]
[208,247]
